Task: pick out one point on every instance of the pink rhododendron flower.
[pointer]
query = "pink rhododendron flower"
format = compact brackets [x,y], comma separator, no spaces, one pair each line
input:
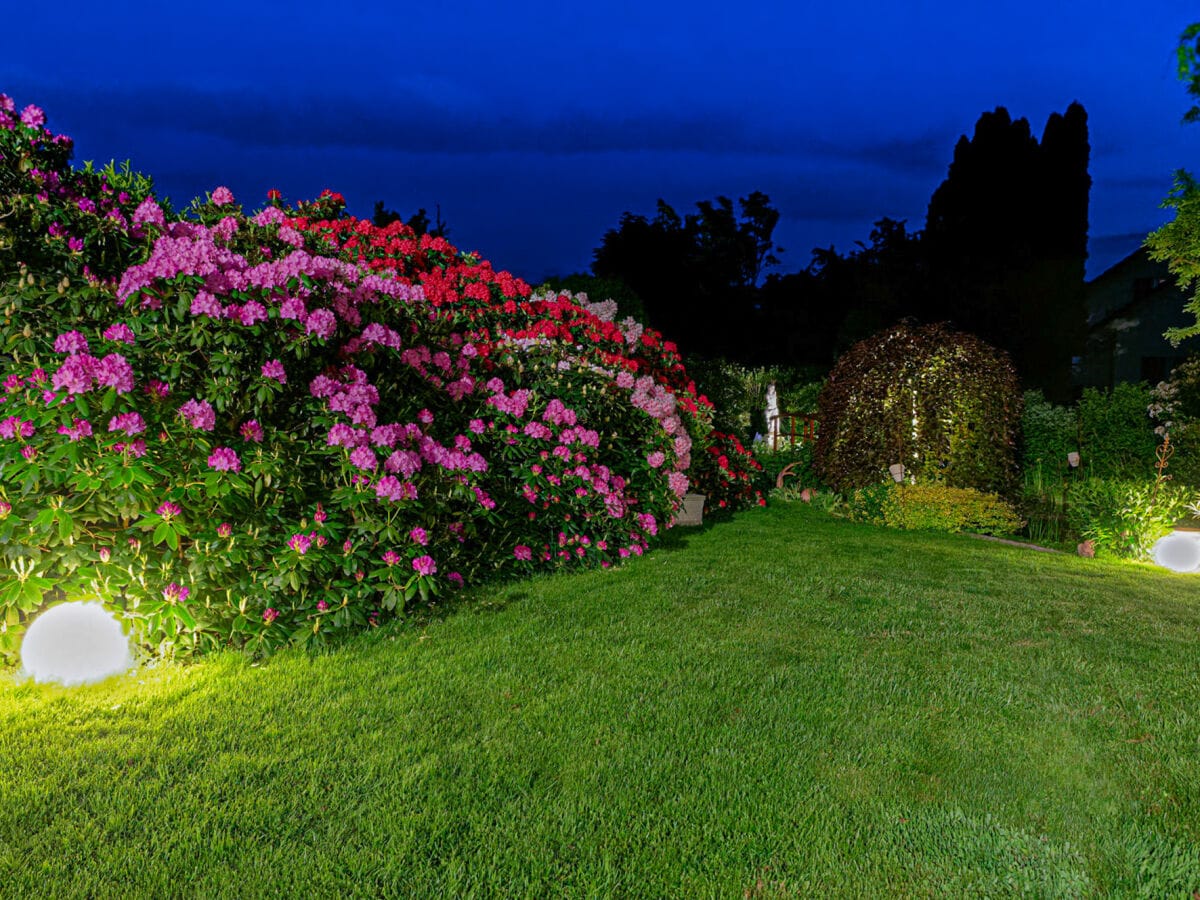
[648,523]
[322,605]
[174,593]
[364,458]
[75,375]
[70,342]
[199,414]
[33,116]
[224,530]
[655,459]
[419,536]
[79,428]
[455,578]
[392,488]
[300,543]
[249,313]
[119,332]
[322,323]
[273,368]
[270,614]
[136,449]
[158,389]
[424,565]
[114,371]
[523,552]
[223,459]
[168,509]
[206,304]
[149,213]
[127,423]
[252,431]
[391,558]
[105,554]
[14,427]
[222,196]
[293,308]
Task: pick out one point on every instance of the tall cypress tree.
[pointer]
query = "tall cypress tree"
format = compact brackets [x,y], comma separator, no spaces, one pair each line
[1006,238]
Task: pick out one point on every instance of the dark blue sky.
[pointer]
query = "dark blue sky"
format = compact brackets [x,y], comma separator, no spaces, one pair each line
[536,124]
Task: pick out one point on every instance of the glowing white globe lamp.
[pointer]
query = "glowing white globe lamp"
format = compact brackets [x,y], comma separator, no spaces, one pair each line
[75,643]
[1179,551]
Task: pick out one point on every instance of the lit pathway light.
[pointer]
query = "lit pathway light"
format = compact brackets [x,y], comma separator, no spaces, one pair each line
[1179,551]
[75,643]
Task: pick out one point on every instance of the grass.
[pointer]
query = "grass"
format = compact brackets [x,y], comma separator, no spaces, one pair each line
[781,705]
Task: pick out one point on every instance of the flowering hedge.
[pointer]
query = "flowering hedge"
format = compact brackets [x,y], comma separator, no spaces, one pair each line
[268,428]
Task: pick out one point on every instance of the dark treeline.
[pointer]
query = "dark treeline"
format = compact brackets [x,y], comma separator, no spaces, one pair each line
[1001,256]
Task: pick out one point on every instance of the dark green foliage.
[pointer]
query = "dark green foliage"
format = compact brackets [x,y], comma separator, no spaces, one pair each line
[1118,439]
[943,403]
[1048,433]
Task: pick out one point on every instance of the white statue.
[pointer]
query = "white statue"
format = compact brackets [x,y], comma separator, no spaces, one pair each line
[772,416]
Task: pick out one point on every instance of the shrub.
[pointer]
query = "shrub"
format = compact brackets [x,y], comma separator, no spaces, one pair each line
[1048,434]
[726,473]
[943,403]
[1118,438]
[1124,518]
[277,427]
[934,507]
[1175,407]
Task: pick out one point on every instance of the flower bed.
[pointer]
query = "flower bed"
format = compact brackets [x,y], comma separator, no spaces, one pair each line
[266,428]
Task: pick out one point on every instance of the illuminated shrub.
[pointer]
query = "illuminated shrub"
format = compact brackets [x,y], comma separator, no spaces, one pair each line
[944,404]
[1124,518]
[275,427]
[933,507]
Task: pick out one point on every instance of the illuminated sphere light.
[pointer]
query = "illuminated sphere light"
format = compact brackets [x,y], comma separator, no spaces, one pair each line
[75,643]
[1179,551]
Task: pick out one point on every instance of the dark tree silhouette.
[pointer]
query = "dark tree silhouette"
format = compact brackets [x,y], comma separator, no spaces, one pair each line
[418,221]
[1006,242]
[696,276]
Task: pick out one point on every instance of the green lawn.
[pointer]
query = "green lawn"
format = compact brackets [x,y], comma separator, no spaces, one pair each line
[782,705]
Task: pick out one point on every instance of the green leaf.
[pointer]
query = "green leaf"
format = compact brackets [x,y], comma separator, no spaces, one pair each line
[184,615]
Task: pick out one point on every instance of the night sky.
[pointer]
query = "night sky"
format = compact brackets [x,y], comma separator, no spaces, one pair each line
[536,124]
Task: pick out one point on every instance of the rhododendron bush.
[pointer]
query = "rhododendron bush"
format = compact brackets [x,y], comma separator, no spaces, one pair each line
[269,427]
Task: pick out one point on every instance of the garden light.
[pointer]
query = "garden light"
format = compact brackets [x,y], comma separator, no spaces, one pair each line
[897,470]
[1073,460]
[1179,551]
[75,643]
